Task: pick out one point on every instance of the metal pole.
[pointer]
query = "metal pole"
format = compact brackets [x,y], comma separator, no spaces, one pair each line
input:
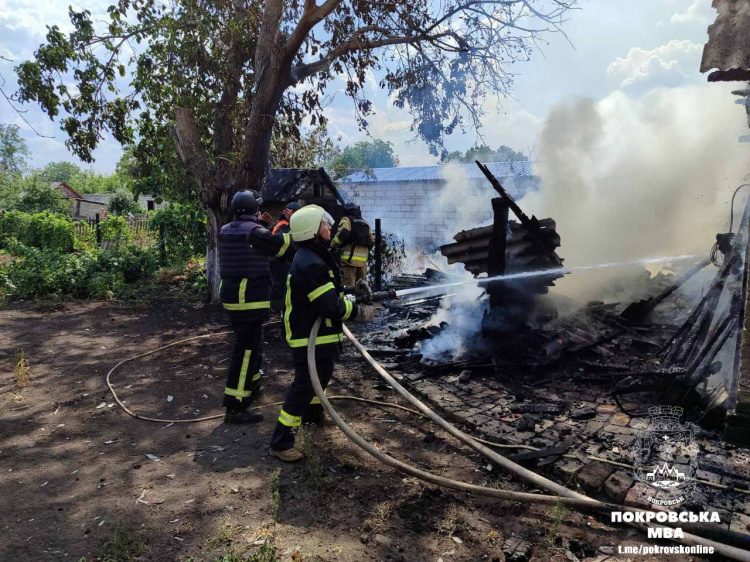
[378,257]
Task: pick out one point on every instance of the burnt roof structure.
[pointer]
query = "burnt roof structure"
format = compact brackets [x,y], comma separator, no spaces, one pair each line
[289,184]
[728,47]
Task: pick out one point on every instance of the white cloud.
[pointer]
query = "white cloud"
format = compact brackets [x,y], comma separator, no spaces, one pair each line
[699,12]
[673,64]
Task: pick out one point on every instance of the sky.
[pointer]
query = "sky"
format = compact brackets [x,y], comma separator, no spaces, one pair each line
[610,47]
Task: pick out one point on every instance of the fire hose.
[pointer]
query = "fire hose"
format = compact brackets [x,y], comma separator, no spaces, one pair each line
[566,496]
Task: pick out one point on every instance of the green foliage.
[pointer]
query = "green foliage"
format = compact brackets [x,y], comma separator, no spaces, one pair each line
[185,278]
[311,150]
[115,231]
[83,181]
[266,553]
[182,232]
[275,494]
[13,154]
[37,230]
[37,195]
[60,171]
[93,274]
[484,153]
[122,203]
[362,156]
[439,61]
[126,545]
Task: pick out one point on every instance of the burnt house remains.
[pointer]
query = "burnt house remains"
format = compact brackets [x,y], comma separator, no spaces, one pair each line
[726,57]
[513,326]
[304,185]
[676,346]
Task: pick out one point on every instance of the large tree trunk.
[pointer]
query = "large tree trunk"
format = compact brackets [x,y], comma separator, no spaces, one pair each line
[215,220]
[219,181]
[213,185]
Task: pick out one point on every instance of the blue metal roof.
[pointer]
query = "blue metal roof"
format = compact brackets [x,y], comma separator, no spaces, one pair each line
[435,173]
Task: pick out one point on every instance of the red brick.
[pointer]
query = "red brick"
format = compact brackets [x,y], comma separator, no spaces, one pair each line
[617,485]
[592,476]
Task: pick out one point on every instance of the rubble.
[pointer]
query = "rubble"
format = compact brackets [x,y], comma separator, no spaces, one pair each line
[576,386]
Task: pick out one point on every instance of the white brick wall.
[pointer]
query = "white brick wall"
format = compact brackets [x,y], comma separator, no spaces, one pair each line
[410,209]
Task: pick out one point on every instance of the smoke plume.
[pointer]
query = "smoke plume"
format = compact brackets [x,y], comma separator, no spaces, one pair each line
[627,178]
[624,178]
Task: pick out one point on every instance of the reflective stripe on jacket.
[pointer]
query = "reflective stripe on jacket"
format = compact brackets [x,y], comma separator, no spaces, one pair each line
[244,249]
[314,289]
[358,232]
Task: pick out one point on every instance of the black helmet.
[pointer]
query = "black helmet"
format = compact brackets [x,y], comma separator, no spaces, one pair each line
[352,210]
[244,203]
[258,197]
[293,206]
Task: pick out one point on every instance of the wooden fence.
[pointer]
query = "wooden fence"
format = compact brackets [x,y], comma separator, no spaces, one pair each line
[142,234]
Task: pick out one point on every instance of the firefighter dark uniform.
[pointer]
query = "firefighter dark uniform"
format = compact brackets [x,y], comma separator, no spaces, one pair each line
[352,242]
[313,289]
[245,246]
[280,269]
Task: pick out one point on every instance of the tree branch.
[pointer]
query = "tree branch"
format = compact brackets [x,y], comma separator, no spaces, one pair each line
[312,15]
[189,146]
[20,113]
[357,43]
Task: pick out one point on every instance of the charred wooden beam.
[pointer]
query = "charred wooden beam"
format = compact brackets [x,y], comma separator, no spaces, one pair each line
[638,310]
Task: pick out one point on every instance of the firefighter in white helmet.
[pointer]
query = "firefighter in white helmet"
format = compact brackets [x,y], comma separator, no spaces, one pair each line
[313,289]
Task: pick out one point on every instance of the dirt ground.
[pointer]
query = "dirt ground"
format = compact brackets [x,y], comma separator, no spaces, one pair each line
[76,480]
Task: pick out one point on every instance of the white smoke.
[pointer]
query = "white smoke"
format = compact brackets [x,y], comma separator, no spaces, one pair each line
[466,202]
[627,178]
[624,178]
[463,313]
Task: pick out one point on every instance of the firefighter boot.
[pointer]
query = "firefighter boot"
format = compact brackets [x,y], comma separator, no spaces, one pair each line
[242,417]
[288,455]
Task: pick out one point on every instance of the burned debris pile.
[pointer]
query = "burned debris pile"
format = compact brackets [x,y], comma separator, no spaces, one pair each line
[664,348]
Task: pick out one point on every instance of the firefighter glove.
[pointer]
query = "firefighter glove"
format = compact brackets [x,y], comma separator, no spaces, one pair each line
[365,313]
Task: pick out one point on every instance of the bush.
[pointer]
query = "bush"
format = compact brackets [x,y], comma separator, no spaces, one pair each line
[44,231]
[122,202]
[115,231]
[90,274]
[182,232]
[393,255]
[38,196]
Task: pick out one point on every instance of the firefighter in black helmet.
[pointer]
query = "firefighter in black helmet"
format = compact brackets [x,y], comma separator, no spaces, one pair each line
[352,245]
[245,246]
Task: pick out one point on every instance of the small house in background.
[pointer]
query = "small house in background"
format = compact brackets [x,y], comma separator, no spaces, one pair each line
[304,185]
[87,205]
[420,203]
[94,203]
[83,207]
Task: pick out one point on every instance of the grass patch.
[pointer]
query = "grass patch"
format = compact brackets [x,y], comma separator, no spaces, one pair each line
[556,514]
[21,371]
[275,494]
[126,545]
[266,553]
[313,468]
[379,518]
[451,520]
[224,536]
